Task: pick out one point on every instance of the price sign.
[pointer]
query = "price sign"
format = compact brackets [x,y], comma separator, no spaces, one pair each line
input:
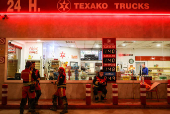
[109,51]
[110,76]
[109,69]
[109,58]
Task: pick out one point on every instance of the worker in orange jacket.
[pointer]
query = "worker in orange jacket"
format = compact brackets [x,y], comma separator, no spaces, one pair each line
[37,87]
[61,91]
[28,89]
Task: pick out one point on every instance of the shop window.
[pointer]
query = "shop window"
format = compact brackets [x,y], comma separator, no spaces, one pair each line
[14,61]
[83,59]
[131,56]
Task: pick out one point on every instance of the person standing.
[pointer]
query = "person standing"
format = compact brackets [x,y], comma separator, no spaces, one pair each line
[61,91]
[100,84]
[37,87]
[144,70]
[28,89]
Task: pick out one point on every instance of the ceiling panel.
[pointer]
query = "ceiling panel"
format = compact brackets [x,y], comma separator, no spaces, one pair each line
[92,44]
[63,45]
[79,42]
[80,46]
[88,46]
[89,42]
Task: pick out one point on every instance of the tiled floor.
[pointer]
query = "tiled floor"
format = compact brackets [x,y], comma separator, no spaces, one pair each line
[107,104]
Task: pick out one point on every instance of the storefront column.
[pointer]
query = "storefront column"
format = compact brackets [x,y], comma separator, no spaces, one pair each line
[88,94]
[168,93]
[143,94]
[4,94]
[115,94]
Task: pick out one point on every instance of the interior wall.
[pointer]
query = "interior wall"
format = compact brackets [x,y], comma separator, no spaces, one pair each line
[142,52]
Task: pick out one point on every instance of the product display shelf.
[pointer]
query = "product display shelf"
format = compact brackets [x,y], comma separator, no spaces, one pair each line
[53,66]
[158,72]
[158,67]
[12,68]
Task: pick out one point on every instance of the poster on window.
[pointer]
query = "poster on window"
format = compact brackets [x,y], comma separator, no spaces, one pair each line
[11,49]
[33,50]
[109,58]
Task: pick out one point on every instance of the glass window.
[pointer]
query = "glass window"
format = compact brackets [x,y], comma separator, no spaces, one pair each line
[83,59]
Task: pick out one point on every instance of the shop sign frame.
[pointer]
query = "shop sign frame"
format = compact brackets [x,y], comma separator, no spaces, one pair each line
[109,58]
[89,7]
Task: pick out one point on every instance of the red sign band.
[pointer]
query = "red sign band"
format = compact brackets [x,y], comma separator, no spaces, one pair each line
[84,6]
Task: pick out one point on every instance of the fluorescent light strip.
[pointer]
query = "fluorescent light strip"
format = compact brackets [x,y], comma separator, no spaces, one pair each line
[90,14]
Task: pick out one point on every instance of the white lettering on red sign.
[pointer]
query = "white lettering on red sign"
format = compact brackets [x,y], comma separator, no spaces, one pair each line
[109,55]
[91,5]
[109,64]
[109,46]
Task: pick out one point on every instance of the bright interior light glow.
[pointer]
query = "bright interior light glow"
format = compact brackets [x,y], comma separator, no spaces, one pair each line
[72,45]
[59,14]
[38,40]
[97,46]
[123,44]
[158,45]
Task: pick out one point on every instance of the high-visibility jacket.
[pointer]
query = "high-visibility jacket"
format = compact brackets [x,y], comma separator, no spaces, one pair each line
[28,77]
[36,73]
[98,79]
[61,81]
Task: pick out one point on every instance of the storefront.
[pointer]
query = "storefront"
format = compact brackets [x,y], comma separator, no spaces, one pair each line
[74,40]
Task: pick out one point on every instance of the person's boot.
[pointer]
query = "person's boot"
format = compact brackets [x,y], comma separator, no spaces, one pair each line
[96,99]
[54,101]
[21,112]
[53,108]
[64,110]
[102,99]
[36,102]
[29,109]
[34,112]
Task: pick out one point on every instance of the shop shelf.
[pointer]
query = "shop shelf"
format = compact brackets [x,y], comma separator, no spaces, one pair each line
[159,72]
[158,67]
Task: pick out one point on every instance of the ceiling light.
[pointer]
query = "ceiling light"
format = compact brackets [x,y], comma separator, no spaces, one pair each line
[38,40]
[97,46]
[158,45]
[123,44]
